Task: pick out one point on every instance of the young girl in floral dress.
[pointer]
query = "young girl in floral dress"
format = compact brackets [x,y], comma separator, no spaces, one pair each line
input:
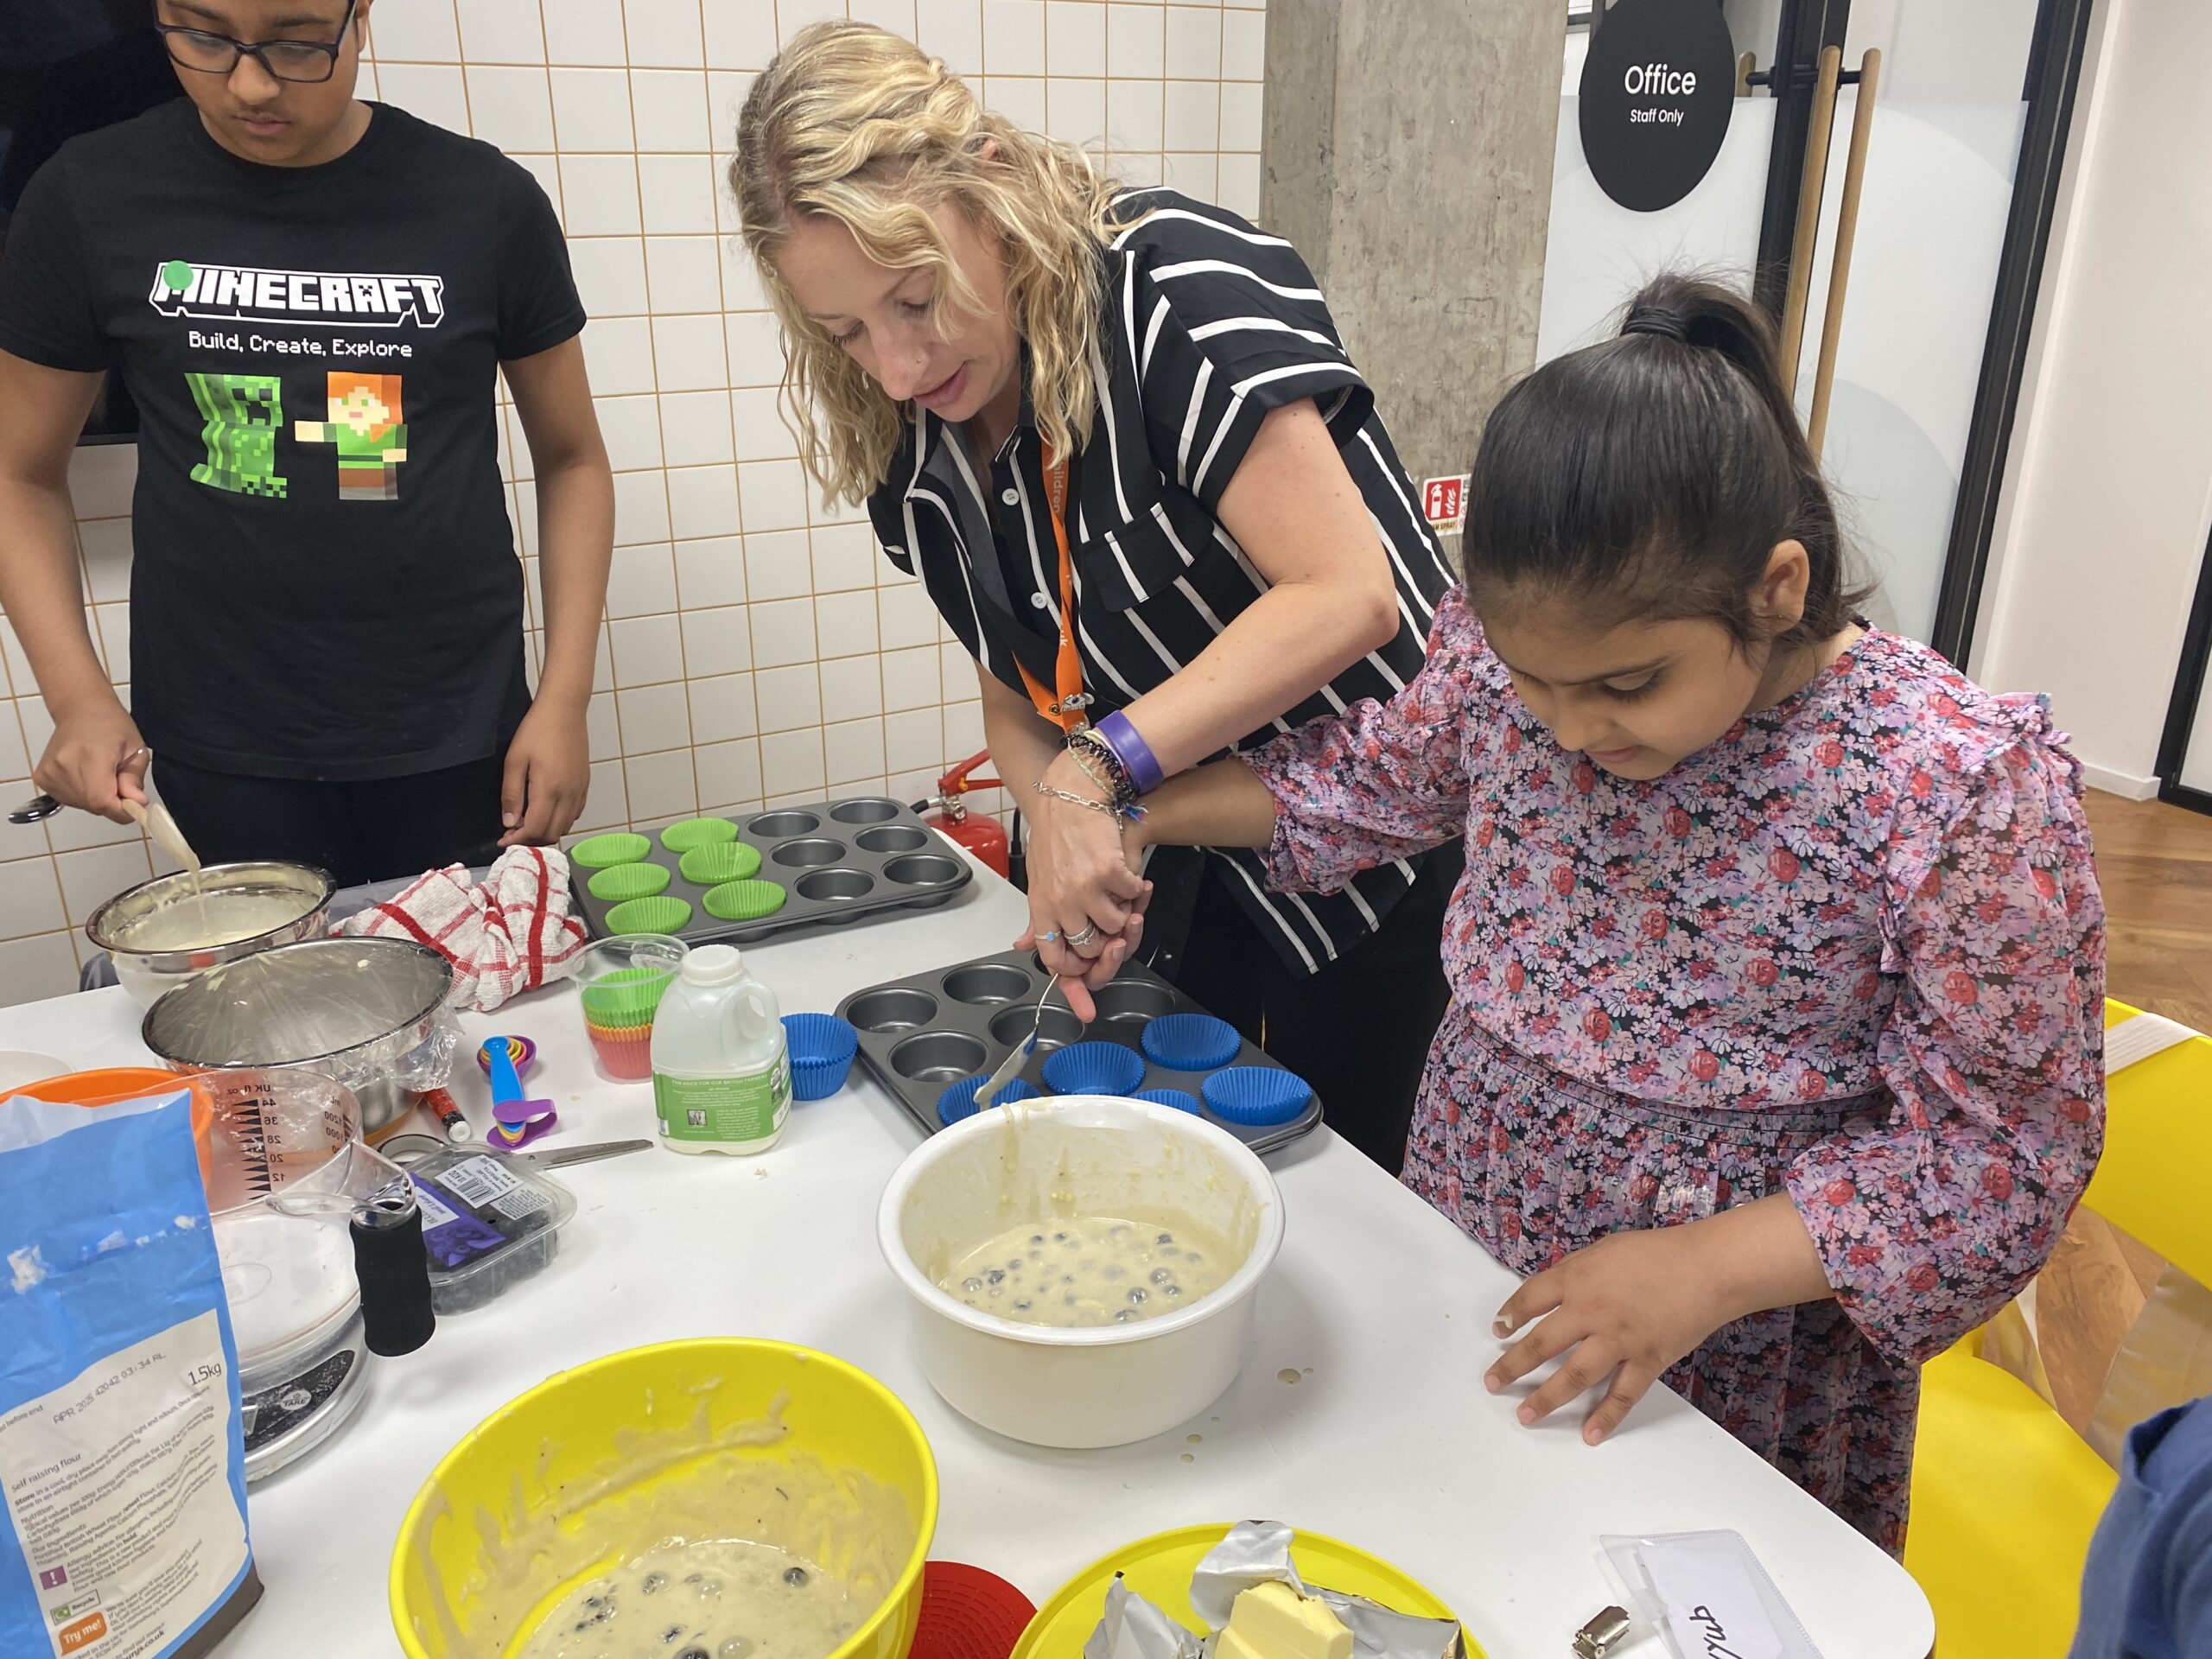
[1774,1053]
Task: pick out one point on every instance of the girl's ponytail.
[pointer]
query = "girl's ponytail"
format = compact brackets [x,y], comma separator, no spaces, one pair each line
[1657,470]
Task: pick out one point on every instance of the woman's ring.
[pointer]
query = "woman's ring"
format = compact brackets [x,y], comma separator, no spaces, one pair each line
[1050,936]
[1090,932]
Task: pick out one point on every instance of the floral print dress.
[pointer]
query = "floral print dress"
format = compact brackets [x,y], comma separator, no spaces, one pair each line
[1854,951]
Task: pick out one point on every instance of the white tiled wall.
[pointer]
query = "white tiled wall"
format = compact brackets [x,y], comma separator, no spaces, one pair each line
[756,648]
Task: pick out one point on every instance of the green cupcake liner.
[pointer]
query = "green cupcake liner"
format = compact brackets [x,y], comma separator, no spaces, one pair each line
[729,861]
[744,902]
[601,851]
[694,833]
[658,915]
[628,996]
[627,881]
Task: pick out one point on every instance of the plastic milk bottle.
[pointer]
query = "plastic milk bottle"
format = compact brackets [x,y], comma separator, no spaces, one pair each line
[721,1077]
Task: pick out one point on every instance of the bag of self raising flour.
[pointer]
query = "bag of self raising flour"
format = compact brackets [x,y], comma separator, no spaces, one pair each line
[122,1462]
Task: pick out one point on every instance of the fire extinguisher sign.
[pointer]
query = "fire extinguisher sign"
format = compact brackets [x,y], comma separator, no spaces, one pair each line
[1442,502]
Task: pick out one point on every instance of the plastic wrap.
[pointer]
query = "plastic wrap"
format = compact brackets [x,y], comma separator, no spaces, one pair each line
[1707,1594]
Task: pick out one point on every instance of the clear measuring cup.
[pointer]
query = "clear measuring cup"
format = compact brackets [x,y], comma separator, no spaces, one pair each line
[620,983]
[289,1167]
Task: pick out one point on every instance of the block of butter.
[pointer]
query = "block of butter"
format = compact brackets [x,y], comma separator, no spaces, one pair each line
[1273,1621]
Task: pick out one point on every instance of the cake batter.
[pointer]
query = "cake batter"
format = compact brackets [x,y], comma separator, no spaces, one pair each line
[1091,1270]
[200,921]
[714,1598]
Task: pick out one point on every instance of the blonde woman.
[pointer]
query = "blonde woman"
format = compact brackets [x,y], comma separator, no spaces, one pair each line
[1115,435]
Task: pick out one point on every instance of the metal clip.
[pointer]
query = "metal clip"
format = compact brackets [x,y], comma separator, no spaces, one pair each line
[1602,1634]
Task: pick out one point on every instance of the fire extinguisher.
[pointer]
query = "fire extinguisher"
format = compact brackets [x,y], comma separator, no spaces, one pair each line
[980,833]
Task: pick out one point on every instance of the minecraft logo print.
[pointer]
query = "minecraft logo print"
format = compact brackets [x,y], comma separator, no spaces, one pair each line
[244,413]
[368,432]
[321,299]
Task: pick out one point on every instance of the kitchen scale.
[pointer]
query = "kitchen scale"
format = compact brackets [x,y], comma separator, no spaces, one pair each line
[286,1170]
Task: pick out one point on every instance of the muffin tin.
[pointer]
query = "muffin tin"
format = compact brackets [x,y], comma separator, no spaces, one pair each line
[922,1034]
[836,861]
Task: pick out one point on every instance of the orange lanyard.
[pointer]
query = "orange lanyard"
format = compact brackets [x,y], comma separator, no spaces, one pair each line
[1066,709]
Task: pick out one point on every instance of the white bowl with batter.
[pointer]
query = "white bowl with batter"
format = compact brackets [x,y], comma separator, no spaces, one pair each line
[1126,1186]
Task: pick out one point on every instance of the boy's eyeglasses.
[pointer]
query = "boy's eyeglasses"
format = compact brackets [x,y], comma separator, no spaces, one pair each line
[218,54]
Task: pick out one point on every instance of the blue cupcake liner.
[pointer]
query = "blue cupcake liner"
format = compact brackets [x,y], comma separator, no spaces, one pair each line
[821,1047]
[958,1100]
[1175,1097]
[1190,1042]
[1094,1068]
[1257,1096]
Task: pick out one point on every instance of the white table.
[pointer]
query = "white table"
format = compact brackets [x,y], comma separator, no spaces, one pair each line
[1391,1441]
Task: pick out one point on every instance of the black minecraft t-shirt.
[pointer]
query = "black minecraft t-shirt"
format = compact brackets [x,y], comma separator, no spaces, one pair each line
[325,582]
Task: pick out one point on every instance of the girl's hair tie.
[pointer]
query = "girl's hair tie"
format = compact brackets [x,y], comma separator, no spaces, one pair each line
[1648,320]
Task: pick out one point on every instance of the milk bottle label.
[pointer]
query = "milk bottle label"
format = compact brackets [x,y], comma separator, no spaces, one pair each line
[724,1109]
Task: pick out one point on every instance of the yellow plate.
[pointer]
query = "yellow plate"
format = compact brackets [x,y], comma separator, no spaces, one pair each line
[1159,1568]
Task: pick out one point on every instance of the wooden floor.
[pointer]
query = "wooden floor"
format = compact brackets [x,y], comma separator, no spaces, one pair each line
[2154,863]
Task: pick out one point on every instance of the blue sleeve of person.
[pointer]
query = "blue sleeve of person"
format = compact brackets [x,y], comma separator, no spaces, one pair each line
[2148,1585]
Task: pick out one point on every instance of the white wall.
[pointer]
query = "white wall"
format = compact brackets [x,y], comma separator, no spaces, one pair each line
[2109,489]
[758,647]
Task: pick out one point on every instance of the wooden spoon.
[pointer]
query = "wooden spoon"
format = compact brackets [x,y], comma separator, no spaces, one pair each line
[156,821]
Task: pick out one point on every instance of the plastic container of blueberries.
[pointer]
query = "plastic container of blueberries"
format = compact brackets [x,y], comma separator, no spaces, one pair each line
[488,1222]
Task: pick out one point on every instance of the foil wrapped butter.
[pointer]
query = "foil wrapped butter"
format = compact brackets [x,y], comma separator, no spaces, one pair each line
[1252,1554]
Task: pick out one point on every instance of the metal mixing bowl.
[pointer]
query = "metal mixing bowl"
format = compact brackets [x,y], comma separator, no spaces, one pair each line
[150,975]
[350,1008]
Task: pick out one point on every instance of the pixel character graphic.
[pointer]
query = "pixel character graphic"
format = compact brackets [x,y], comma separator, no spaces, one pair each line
[368,432]
[244,413]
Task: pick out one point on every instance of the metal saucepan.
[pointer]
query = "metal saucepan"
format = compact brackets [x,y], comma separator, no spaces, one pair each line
[366,1011]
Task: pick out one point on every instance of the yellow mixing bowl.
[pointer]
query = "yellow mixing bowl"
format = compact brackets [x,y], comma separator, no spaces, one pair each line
[564,1481]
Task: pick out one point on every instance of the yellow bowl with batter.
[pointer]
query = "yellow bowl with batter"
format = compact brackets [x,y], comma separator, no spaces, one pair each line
[711,1437]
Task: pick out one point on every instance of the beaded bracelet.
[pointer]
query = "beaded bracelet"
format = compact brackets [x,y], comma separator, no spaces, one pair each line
[1087,764]
[1116,781]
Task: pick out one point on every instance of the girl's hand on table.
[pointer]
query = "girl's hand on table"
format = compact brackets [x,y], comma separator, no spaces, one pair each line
[1628,1306]
[1632,1304]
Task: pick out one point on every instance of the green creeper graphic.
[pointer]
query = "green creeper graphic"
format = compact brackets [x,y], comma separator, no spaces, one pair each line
[244,414]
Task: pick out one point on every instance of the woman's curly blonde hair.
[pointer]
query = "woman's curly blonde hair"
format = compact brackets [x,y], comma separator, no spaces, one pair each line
[855,122]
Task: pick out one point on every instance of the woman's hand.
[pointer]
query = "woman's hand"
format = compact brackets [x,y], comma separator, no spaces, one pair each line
[95,761]
[1632,1304]
[548,776]
[1085,898]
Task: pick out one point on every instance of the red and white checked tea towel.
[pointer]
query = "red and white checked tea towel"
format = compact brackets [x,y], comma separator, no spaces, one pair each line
[508,934]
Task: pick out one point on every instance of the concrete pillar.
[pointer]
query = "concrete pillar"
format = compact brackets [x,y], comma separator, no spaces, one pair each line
[1408,155]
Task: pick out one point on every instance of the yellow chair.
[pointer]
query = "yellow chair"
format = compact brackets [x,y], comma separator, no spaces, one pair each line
[2005,1495]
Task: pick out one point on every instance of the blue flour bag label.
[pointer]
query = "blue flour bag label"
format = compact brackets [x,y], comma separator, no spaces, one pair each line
[122,1458]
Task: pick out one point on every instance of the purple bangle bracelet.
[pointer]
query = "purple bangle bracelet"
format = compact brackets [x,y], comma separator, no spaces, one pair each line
[1136,753]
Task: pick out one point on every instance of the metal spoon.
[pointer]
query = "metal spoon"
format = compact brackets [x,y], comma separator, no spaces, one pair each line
[1016,1059]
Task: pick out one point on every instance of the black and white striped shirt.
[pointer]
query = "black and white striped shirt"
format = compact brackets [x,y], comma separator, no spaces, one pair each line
[1210,324]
